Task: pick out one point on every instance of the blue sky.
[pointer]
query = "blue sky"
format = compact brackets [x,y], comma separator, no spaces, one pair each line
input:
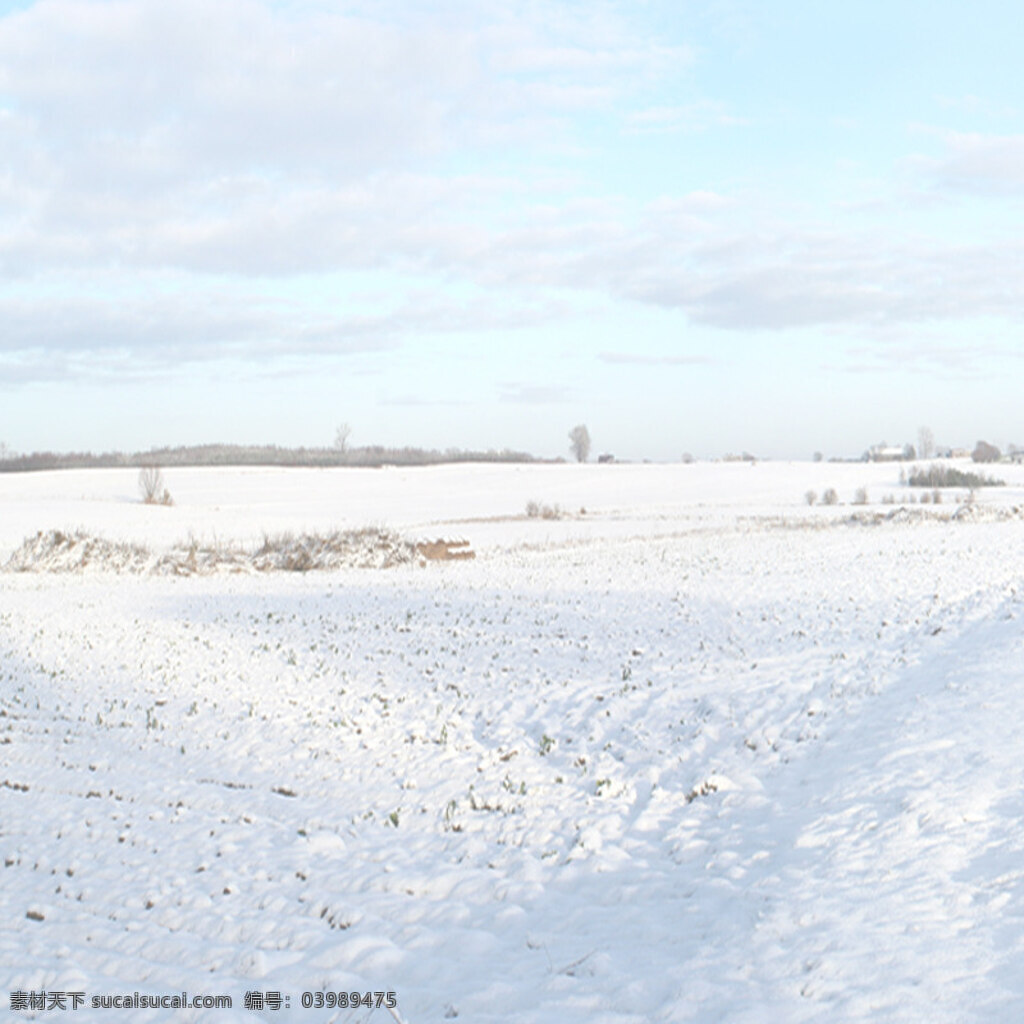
[694,226]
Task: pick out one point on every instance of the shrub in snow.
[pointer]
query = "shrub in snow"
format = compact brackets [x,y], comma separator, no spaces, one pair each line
[535,510]
[151,486]
[950,476]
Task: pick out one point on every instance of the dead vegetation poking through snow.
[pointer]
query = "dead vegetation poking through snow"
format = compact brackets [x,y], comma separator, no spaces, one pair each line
[444,550]
[66,551]
[152,488]
[77,551]
[370,548]
[537,510]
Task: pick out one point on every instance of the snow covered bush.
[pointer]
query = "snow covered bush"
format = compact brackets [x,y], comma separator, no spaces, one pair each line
[77,551]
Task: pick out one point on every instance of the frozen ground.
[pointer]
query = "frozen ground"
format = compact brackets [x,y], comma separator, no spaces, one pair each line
[699,752]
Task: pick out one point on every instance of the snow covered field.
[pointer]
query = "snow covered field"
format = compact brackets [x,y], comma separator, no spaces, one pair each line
[695,751]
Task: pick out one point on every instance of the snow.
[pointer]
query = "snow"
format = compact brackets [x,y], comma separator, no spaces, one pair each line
[695,751]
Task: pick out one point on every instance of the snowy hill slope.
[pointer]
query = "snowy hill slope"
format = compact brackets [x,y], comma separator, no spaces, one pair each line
[680,760]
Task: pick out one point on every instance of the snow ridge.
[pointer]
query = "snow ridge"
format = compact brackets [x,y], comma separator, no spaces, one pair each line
[61,551]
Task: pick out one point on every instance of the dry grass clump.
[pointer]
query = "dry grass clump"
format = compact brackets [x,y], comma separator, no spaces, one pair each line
[369,548]
[537,510]
[444,550]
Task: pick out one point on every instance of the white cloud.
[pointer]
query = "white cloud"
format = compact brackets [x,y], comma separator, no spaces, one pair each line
[146,335]
[145,93]
[983,359]
[990,165]
[150,334]
[691,117]
[184,90]
[638,359]
[243,140]
[241,137]
[535,394]
[976,106]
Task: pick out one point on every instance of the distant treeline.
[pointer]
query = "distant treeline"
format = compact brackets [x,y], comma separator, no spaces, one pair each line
[254,455]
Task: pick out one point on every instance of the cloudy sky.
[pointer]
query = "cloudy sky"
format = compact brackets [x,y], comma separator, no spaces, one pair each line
[695,225]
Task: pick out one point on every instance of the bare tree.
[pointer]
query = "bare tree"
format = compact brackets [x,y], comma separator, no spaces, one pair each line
[341,437]
[925,443]
[985,452]
[579,442]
